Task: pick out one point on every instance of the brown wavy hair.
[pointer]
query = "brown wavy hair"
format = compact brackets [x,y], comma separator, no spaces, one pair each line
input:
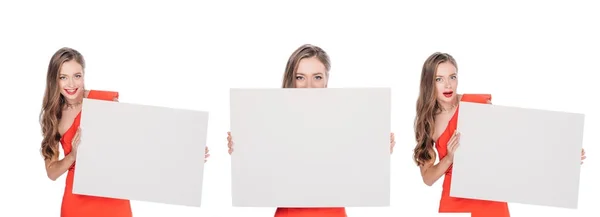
[428,107]
[54,102]
[304,51]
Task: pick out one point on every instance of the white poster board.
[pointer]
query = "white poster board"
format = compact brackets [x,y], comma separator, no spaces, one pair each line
[518,155]
[141,152]
[321,147]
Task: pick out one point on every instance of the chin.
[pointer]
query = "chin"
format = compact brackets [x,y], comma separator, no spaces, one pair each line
[444,99]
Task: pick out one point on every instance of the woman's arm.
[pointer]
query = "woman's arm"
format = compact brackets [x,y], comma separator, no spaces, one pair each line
[55,168]
[431,173]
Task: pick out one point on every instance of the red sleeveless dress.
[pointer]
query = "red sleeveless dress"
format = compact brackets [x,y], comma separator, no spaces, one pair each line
[477,208]
[311,212]
[74,205]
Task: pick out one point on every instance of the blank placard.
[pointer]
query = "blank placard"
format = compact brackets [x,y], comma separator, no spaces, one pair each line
[321,147]
[518,155]
[140,152]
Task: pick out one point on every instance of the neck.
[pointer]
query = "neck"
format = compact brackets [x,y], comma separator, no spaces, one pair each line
[71,103]
[448,106]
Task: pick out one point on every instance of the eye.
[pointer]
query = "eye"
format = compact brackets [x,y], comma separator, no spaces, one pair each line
[78,76]
[438,79]
[318,77]
[299,77]
[62,78]
[453,77]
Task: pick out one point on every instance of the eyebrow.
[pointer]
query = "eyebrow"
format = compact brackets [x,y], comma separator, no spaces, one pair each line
[317,73]
[448,75]
[61,74]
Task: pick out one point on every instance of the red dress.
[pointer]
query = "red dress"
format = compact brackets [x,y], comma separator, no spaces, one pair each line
[477,208]
[74,205]
[310,212]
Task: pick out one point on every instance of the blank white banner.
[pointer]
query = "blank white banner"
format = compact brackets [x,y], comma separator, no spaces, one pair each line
[141,152]
[518,155]
[323,147]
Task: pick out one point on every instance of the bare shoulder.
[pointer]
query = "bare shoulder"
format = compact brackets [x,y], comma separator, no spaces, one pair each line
[440,124]
[68,117]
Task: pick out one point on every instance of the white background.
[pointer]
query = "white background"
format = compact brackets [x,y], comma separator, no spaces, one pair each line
[187,55]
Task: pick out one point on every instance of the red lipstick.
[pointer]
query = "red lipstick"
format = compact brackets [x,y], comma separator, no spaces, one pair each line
[71,91]
[448,94]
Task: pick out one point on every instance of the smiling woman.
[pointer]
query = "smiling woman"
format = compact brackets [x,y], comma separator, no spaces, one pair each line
[60,116]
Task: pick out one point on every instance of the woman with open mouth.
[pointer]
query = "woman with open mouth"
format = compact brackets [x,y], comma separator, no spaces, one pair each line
[435,126]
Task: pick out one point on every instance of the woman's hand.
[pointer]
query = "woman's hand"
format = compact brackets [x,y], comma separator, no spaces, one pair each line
[583,157]
[453,144]
[75,143]
[392,142]
[206,154]
[229,143]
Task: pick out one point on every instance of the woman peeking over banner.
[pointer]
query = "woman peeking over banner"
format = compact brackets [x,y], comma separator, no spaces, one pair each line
[307,67]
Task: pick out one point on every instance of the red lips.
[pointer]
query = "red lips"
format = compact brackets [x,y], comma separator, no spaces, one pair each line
[448,94]
[71,92]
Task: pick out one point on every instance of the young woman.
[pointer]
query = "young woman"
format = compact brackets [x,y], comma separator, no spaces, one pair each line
[308,67]
[59,119]
[435,126]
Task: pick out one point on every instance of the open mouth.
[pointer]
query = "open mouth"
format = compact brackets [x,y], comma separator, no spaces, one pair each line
[448,94]
[71,91]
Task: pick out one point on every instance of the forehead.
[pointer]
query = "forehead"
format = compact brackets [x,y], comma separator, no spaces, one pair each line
[445,69]
[70,67]
[312,65]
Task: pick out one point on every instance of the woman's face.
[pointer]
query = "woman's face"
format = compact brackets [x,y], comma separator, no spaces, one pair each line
[311,73]
[70,80]
[446,81]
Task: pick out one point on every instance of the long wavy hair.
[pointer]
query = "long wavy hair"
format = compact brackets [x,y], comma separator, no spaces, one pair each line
[304,51]
[428,107]
[54,102]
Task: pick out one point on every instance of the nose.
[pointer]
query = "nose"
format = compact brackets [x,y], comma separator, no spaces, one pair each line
[70,82]
[447,84]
